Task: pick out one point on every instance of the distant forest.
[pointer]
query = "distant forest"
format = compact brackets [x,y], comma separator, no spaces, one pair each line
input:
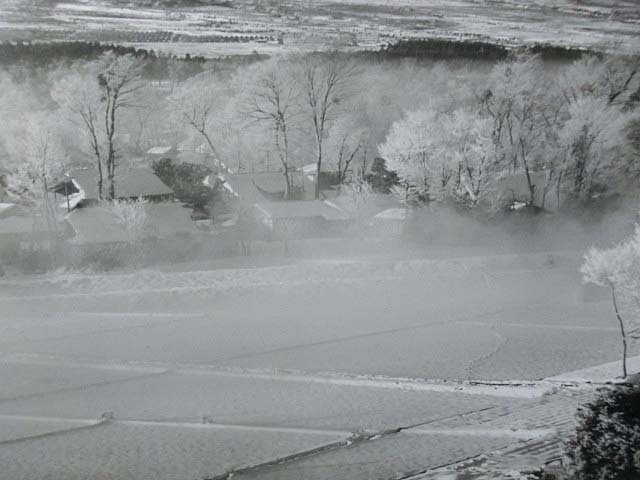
[444,49]
[44,53]
[173,3]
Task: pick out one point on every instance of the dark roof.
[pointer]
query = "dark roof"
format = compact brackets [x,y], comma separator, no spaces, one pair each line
[253,188]
[130,183]
[300,209]
[247,186]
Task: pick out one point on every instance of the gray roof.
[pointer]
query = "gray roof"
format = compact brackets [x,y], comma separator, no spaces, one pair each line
[300,209]
[245,185]
[515,185]
[100,225]
[11,209]
[22,225]
[374,204]
[129,183]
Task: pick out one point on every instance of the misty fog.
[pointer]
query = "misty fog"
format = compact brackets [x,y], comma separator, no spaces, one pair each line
[359,263]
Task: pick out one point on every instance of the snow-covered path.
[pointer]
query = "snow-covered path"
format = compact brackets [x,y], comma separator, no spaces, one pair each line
[197,373]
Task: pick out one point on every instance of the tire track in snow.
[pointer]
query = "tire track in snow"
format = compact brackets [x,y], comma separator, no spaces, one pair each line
[516,389]
[502,342]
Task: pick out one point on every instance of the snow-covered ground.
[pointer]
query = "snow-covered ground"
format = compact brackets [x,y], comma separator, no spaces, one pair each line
[326,24]
[379,367]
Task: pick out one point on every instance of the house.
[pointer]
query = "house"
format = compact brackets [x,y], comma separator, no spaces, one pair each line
[292,220]
[101,225]
[11,210]
[24,234]
[193,151]
[162,151]
[365,208]
[390,222]
[328,180]
[130,183]
[250,188]
[98,235]
[514,190]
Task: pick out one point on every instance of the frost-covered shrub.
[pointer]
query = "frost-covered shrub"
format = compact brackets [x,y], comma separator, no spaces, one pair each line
[606,445]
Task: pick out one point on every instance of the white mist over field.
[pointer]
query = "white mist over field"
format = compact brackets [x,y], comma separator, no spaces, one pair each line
[316,240]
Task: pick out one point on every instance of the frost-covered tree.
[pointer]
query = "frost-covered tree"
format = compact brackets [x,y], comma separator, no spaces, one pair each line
[325,85]
[119,81]
[272,99]
[132,216]
[618,268]
[79,95]
[347,148]
[614,78]
[468,139]
[593,141]
[516,100]
[97,94]
[414,149]
[35,158]
[198,102]
[358,194]
[439,155]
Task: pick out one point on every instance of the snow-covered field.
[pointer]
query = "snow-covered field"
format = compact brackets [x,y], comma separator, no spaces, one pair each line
[193,373]
[327,24]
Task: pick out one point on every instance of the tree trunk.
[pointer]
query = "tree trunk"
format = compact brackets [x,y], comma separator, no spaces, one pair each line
[283,160]
[99,180]
[530,185]
[622,330]
[558,187]
[287,182]
[213,148]
[318,169]
[112,187]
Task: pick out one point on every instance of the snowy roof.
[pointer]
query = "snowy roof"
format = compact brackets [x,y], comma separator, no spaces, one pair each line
[95,225]
[191,145]
[10,209]
[129,183]
[22,225]
[300,209]
[100,224]
[159,150]
[310,169]
[373,205]
[392,214]
[247,186]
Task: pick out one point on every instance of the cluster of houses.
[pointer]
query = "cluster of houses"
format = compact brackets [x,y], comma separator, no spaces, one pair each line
[88,227]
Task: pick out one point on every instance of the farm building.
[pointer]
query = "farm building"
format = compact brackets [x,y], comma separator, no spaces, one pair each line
[130,183]
[250,188]
[102,225]
[99,233]
[366,207]
[390,222]
[24,234]
[292,220]
[514,189]
[158,152]
[193,151]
